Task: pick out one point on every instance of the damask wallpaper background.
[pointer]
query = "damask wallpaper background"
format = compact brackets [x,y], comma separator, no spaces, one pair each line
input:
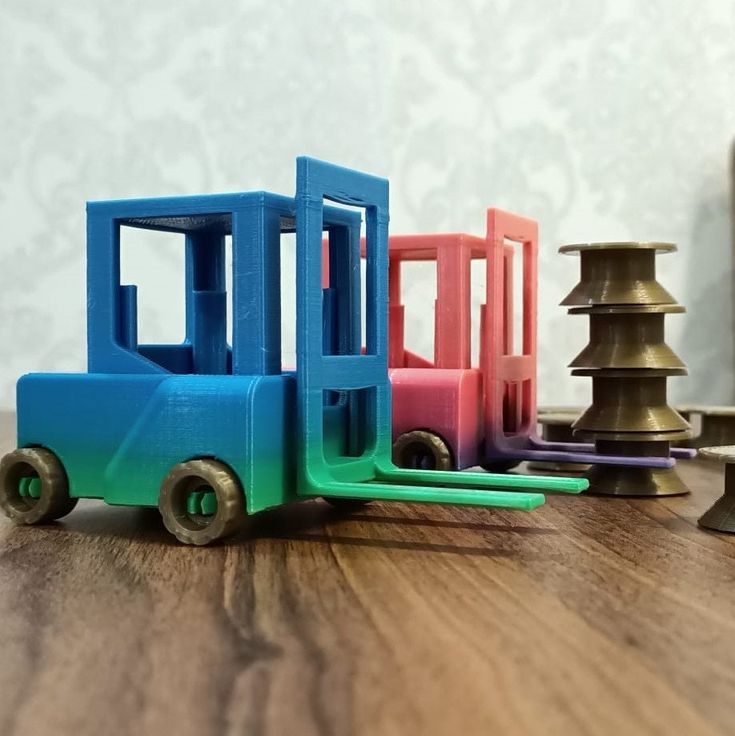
[602,119]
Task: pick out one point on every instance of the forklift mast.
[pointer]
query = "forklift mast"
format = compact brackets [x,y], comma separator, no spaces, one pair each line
[351,379]
[510,376]
[332,369]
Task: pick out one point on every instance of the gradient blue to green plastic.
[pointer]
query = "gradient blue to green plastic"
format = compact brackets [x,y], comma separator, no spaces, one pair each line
[324,430]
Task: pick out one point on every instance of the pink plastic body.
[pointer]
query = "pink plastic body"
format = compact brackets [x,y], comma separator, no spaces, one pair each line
[487,412]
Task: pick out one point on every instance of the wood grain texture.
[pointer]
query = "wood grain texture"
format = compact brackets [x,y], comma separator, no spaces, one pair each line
[587,616]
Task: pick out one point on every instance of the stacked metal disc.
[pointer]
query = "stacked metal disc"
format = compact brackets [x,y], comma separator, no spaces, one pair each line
[629,363]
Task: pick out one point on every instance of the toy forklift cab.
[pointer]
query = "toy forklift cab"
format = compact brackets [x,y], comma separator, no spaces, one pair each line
[452,412]
[208,431]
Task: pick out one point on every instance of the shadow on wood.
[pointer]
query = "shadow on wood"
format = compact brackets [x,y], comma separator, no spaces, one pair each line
[97,520]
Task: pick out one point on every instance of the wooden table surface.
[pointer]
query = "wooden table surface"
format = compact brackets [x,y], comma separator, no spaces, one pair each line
[587,616]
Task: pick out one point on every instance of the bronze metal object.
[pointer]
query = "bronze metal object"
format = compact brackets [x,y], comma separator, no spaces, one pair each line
[629,363]
[672,437]
[620,480]
[618,273]
[721,516]
[626,401]
[557,427]
[627,337]
[626,480]
[711,425]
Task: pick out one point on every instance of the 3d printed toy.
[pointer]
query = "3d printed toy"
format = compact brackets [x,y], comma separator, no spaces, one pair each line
[210,432]
[450,413]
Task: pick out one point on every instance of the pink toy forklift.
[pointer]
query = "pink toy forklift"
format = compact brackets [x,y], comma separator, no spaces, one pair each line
[451,413]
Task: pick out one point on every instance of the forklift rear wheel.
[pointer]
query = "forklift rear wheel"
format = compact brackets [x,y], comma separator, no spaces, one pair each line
[422,450]
[34,488]
[201,477]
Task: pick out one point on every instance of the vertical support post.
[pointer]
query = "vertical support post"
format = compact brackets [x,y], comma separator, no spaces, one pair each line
[256,284]
[507,298]
[452,333]
[396,317]
[206,302]
[129,316]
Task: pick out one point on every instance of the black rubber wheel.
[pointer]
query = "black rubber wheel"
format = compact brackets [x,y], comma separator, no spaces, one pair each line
[197,475]
[34,463]
[422,450]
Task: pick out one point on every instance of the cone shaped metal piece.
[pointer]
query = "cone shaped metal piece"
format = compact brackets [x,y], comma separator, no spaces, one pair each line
[629,401]
[627,337]
[618,273]
[588,436]
[624,480]
[630,373]
[721,516]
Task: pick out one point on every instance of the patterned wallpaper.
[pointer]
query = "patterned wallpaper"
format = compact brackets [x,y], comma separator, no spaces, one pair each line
[603,119]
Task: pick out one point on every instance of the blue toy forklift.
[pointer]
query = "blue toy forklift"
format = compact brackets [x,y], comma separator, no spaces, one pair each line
[211,432]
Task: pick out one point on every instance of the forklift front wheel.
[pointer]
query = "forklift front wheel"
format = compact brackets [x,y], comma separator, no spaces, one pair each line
[34,488]
[201,477]
[422,450]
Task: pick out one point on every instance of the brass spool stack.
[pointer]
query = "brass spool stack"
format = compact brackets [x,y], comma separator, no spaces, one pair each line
[629,363]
